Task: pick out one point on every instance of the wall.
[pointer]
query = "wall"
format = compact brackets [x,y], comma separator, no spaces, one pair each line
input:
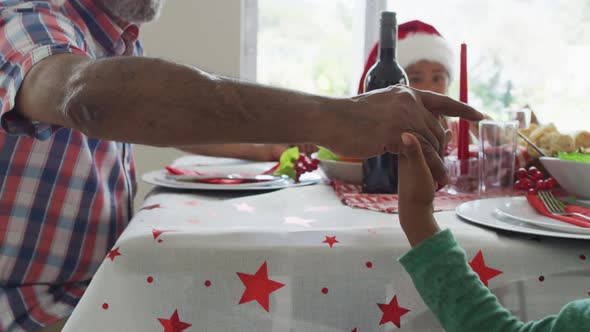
[204,34]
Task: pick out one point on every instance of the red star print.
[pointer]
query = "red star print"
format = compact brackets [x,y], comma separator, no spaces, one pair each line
[113,253]
[330,240]
[174,324]
[157,232]
[258,287]
[392,312]
[479,266]
[151,207]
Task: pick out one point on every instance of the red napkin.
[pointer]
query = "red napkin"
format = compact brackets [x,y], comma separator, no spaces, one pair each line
[179,171]
[578,209]
[536,203]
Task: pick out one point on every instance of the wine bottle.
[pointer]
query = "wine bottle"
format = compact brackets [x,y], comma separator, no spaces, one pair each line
[380,173]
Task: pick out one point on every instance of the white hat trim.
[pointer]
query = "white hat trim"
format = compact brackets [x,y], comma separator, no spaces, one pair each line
[418,47]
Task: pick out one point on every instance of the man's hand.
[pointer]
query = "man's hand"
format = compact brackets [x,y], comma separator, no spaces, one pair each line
[416,192]
[372,123]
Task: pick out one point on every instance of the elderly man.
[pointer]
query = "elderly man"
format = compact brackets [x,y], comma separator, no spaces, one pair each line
[76,94]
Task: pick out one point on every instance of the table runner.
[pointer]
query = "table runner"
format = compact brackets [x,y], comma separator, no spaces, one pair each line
[352,195]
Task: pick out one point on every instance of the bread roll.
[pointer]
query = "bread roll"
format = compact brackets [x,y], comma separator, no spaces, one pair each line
[528,131]
[582,140]
[533,154]
[546,141]
[562,143]
[538,133]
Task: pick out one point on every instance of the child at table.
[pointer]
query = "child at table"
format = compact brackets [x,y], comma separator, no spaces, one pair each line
[429,61]
[438,266]
[427,58]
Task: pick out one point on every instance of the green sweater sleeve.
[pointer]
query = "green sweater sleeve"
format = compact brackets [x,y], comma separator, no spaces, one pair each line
[460,301]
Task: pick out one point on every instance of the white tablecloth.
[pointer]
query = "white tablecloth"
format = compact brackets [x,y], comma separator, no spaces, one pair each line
[298,260]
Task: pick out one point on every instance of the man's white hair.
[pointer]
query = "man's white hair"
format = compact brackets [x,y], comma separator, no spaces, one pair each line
[134,11]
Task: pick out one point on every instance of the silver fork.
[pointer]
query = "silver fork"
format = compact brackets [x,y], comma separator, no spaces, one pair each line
[556,206]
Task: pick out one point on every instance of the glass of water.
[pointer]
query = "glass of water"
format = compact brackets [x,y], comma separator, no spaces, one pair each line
[497,156]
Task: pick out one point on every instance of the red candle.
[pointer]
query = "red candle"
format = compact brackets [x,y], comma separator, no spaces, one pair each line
[463,149]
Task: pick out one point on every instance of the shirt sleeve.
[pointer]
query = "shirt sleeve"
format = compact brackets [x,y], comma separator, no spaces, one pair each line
[460,301]
[29,33]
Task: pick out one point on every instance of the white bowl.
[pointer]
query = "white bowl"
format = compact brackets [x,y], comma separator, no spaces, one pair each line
[343,170]
[572,176]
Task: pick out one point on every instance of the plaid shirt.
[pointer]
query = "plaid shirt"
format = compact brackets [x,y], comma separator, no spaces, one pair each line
[64,197]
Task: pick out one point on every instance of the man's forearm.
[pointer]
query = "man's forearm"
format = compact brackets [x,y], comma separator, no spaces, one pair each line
[151,101]
[259,152]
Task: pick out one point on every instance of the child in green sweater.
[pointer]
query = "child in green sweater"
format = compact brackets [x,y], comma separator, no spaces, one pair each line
[439,269]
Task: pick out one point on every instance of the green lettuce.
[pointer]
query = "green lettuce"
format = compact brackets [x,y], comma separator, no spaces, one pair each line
[325,154]
[578,157]
[287,163]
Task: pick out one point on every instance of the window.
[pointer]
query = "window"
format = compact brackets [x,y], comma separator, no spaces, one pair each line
[521,52]
[308,45]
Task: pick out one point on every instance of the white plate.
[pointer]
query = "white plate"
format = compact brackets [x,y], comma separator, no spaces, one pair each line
[159,178]
[246,168]
[518,208]
[343,170]
[485,212]
[251,168]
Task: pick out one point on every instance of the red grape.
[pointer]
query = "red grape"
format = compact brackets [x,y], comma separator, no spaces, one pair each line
[541,185]
[532,191]
[524,184]
[537,176]
[533,170]
[551,183]
[304,164]
[528,184]
[522,173]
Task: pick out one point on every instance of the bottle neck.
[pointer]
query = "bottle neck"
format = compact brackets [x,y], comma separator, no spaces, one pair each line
[388,43]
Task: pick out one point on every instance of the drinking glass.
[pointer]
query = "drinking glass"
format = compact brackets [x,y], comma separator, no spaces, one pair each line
[497,156]
[462,180]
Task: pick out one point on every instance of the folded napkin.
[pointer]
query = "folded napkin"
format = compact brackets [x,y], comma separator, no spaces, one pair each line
[180,171]
[538,205]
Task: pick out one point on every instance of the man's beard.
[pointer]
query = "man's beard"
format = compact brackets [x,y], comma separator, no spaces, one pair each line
[134,11]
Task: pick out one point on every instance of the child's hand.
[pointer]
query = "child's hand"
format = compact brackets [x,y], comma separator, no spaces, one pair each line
[416,189]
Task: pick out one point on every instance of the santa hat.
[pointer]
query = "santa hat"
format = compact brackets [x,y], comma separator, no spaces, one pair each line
[417,41]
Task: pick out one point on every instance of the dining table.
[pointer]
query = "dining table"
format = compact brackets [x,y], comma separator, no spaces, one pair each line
[298,259]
